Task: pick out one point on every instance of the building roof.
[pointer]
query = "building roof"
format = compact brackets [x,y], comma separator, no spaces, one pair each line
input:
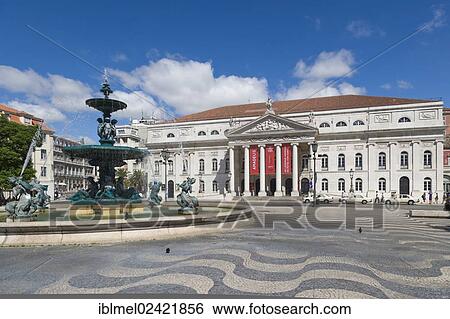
[15,115]
[328,103]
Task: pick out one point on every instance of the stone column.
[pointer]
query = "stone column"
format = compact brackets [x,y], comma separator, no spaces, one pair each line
[191,164]
[231,159]
[278,191]
[439,169]
[262,171]
[416,184]
[295,170]
[394,160]
[246,170]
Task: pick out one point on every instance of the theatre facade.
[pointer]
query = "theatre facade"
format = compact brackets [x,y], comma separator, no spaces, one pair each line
[371,144]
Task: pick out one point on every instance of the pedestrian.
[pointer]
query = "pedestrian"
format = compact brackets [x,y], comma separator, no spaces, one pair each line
[430,197]
[444,198]
[436,198]
[424,197]
[377,199]
[382,197]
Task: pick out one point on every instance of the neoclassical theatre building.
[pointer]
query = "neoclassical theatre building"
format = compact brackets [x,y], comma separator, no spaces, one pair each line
[384,144]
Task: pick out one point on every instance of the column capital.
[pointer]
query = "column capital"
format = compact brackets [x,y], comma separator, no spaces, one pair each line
[438,141]
[294,144]
[278,144]
[230,147]
[261,145]
[245,146]
[392,143]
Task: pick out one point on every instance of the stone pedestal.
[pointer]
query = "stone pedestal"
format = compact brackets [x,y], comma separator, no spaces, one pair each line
[22,219]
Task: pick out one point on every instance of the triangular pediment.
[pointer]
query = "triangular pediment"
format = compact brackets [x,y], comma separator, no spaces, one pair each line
[272,124]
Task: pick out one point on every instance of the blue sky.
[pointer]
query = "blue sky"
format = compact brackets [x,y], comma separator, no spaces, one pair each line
[187,56]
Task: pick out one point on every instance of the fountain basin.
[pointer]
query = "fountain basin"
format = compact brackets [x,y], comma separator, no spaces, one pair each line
[97,154]
[211,218]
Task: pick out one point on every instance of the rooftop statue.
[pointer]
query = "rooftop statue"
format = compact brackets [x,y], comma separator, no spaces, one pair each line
[269,106]
[185,200]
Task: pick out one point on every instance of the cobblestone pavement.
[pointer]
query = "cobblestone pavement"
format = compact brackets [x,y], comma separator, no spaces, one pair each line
[400,258]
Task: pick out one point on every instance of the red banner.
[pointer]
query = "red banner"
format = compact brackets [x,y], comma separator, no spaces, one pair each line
[286,159]
[270,160]
[254,160]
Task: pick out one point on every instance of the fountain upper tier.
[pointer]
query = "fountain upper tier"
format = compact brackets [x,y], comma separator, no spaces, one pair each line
[106,105]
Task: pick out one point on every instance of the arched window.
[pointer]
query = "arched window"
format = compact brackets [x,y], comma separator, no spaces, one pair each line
[324,159]
[201,133]
[341,185]
[227,164]
[202,186]
[227,186]
[325,185]
[358,161]
[201,165]
[404,119]
[427,159]
[341,124]
[427,184]
[170,135]
[214,132]
[341,162]
[404,161]
[215,188]
[382,160]
[170,166]
[305,161]
[358,122]
[382,184]
[358,185]
[324,124]
[214,164]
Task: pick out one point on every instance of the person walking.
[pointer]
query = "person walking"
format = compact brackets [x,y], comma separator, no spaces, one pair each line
[382,198]
[430,197]
[424,197]
[436,198]
[377,199]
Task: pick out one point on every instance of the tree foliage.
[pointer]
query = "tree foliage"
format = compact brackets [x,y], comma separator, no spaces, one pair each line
[137,180]
[15,140]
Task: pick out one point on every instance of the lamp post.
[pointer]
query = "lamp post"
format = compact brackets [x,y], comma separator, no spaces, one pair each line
[314,150]
[165,156]
[351,190]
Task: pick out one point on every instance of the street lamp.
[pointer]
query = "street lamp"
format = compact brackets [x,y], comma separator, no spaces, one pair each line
[165,156]
[314,150]
[351,191]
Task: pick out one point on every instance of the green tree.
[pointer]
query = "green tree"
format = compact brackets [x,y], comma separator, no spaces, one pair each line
[15,140]
[137,180]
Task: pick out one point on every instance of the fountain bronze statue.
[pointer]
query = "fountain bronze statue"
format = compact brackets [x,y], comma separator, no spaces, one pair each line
[30,197]
[105,156]
[188,203]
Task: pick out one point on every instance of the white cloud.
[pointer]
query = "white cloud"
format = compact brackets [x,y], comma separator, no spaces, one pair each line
[137,103]
[26,81]
[191,86]
[48,97]
[119,57]
[315,77]
[326,65]
[439,19]
[362,29]
[386,86]
[46,112]
[402,84]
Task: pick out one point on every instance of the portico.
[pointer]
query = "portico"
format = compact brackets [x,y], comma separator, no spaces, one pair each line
[264,156]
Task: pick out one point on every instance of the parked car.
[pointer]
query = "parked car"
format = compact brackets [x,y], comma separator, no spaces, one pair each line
[321,198]
[402,199]
[358,198]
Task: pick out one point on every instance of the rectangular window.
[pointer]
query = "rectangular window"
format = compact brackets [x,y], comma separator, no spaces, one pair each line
[43,154]
[43,171]
[325,163]
[157,168]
